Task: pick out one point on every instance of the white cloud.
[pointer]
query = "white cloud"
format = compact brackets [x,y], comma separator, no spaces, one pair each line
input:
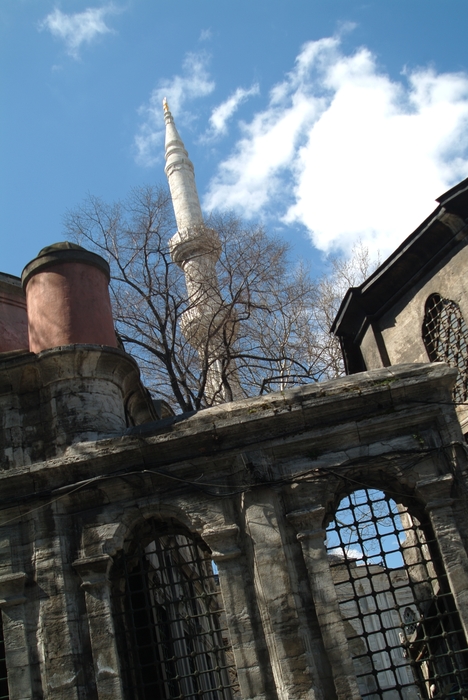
[347,152]
[79,28]
[205,35]
[223,112]
[348,553]
[193,83]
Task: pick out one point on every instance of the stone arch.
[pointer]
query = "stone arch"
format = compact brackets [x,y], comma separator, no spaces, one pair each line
[384,560]
[112,535]
[387,475]
[170,626]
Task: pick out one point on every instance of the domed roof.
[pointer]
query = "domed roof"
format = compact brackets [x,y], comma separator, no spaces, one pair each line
[63,252]
[62,245]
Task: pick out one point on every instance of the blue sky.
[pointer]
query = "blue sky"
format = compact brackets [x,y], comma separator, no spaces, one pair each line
[329,120]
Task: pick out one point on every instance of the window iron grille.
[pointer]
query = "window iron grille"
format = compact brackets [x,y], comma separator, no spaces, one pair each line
[445,335]
[174,643]
[403,630]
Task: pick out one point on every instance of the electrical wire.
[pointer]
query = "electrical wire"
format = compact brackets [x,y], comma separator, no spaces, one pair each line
[69,489]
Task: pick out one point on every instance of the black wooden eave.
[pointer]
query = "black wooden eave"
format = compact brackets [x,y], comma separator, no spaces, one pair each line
[431,242]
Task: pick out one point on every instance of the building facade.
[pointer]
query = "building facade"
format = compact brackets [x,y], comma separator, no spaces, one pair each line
[111,518]
[311,544]
[414,307]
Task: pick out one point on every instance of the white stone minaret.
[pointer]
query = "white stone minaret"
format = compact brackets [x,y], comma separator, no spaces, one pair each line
[208,324]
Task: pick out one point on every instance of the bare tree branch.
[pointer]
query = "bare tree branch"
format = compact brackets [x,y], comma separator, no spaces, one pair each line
[272,322]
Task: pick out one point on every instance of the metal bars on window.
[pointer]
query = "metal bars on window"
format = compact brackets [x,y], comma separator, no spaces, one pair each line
[400,619]
[445,335]
[170,622]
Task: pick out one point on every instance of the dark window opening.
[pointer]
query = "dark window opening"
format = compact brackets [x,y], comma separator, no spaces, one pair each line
[169,620]
[445,335]
[403,629]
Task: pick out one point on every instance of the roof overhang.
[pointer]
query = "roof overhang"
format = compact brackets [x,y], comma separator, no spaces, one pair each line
[421,251]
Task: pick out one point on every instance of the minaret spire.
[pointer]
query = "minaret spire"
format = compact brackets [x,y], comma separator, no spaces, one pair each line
[208,324]
[181,176]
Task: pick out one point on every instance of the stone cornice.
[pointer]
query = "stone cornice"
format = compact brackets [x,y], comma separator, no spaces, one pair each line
[403,396]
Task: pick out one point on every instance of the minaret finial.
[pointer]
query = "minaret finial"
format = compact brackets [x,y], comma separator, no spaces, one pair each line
[167,113]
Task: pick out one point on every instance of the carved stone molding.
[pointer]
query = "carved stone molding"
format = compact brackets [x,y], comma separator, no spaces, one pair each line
[435,492]
[223,542]
[12,589]
[307,522]
[93,571]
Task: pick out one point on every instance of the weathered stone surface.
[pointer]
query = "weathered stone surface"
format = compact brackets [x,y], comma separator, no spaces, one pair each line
[380,323]
[257,479]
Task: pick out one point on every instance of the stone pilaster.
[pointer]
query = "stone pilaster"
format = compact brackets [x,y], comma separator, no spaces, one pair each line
[436,494]
[295,674]
[254,683]
[12,600]
[93,572]
[60,634]
[311,535]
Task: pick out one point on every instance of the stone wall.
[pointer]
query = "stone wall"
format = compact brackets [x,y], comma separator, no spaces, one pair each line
[257,480]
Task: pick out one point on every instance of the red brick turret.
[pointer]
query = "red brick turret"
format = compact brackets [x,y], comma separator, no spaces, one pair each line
[67,298]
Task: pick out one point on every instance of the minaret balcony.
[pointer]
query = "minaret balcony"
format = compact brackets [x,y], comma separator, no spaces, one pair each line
[194,241]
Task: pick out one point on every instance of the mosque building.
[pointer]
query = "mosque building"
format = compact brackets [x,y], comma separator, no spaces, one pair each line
[309,544]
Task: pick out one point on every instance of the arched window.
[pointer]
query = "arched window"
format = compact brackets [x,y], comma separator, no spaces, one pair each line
[400,619]
[445,335]
[169,620]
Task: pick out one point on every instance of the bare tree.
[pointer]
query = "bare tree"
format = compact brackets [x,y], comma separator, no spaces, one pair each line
[343,272]
[277,337]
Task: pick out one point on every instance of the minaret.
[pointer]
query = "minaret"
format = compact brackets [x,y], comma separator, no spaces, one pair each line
[208,324]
